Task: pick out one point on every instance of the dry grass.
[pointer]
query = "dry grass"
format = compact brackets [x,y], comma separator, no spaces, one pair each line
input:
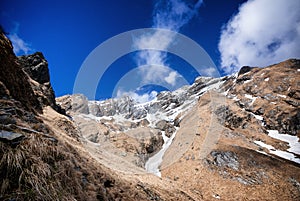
[40,169]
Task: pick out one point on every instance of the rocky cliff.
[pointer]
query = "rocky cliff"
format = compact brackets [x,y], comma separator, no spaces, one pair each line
[36,67]
[229,138]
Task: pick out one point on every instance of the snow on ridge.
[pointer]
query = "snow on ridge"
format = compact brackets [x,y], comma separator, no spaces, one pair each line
[163,108]
[289,154]
[281,154]
[181,90]
[293,141]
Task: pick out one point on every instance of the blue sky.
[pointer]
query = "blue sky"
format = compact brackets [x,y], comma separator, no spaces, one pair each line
[67,31]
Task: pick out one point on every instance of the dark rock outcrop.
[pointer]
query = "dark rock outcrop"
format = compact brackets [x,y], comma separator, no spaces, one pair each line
[225,159]
[245,69]
[36,67]
[13,80]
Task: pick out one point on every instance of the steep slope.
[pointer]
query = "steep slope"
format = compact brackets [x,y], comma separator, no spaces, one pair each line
[232,153]
[214,139]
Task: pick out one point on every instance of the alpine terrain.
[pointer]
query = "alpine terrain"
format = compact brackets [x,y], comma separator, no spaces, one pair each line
[229,138]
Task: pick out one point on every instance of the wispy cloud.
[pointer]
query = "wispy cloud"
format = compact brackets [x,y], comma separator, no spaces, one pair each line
[261,33]
[209,71]
[19,45]
[171,15]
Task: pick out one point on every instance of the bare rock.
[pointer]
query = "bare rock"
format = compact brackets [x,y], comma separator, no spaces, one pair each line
[225,159]
[36,66]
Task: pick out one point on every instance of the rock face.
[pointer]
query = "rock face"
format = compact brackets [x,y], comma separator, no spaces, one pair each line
[272,93]
[225,159]
[14,81]
[36,67]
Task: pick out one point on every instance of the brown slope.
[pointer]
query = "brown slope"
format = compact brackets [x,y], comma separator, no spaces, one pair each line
[233,167]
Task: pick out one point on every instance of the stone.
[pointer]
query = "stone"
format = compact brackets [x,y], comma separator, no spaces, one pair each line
[225,159]
[161,125]
[11,137]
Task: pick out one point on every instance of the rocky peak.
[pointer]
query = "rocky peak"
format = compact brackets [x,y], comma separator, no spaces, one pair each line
[271,92]
[36,67]
[166,104]
[245,69]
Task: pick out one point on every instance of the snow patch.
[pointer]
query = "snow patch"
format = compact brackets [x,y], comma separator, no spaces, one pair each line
[258,117]
[213,84]
[233,97]
[216,196]
[282,96]
[267,79]
[293,141]
[281,154]
[250,97]
[236,75]
[247,81]
[89,117]
[226,92]
[153,163]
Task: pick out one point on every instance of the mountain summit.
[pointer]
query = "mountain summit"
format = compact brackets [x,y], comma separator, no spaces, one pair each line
[229,138]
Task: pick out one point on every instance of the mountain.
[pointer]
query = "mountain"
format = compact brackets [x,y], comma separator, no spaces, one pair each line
[229,138]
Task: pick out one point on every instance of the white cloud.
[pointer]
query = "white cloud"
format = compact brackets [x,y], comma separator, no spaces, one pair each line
[154,74]
[171,78]
[209,71]
[171,15]
[140,98]
[263,32]
[20,46]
